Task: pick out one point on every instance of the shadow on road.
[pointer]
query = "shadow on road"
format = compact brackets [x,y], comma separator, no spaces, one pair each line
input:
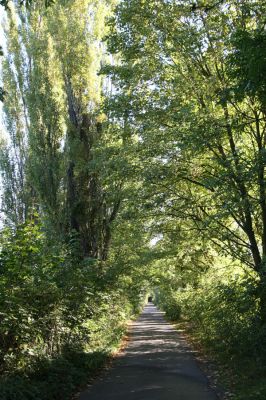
[156,365]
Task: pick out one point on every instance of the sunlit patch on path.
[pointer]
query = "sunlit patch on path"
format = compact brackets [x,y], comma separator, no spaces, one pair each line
[156,365]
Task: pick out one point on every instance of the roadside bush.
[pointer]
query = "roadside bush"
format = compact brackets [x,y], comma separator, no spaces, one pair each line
[222,312]
[225,317]
[55,379]
[30,306]
[58,321]
[170,302]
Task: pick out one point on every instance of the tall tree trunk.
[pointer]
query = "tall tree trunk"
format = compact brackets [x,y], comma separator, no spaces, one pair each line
[71,197]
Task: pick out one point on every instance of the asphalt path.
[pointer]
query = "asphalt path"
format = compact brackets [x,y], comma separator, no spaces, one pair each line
[157,364]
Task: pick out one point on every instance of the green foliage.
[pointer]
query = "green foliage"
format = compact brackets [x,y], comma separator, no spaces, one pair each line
[201,142]
[54,379]
[171,151]
[69,282]
[222,312]
[2,94]
[54,121]
[50,299]
[27,3]
[226,317]
[29,294]
[247,63]
[170,304]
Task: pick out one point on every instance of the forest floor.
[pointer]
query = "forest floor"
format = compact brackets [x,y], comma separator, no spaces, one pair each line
[157,364]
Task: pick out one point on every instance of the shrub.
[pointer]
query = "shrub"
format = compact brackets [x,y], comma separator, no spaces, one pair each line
[58,320]
[223,314]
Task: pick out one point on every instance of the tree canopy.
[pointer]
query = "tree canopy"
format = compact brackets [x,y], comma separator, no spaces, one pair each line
[133,161]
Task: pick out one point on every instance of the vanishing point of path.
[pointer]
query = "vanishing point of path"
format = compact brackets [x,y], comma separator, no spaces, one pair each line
[157,364]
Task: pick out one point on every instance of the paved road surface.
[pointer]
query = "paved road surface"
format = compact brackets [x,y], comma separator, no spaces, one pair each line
[156,365]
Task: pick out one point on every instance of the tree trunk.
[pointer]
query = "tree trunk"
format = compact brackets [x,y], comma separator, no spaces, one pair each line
[72,197]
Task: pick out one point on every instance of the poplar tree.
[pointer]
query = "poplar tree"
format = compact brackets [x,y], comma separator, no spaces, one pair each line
[53,107]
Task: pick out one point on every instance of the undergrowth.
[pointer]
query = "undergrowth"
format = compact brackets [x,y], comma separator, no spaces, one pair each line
[61,317]
[55,379]
[222,315]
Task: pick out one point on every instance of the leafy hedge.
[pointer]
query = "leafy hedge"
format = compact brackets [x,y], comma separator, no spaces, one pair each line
[223,315]
[55,379]
[59,321]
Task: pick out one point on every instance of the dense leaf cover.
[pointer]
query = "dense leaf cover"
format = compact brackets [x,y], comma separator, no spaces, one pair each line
[133,160]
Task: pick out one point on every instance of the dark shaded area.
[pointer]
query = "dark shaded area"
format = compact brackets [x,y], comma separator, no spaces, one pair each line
[55,379]
[156,365]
